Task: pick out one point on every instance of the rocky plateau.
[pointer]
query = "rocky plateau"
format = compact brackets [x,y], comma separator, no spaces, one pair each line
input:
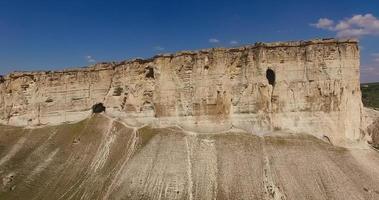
[279,120]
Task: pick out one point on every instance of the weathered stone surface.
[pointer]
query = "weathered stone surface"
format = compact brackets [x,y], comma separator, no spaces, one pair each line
[101,158]
[371,126]
[316,90]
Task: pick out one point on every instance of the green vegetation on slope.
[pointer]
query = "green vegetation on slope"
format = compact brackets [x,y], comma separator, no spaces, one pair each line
[370,94]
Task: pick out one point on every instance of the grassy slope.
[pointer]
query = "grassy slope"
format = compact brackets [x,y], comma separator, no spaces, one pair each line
[370,94]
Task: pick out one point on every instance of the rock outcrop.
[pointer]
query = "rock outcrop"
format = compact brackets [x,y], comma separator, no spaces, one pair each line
[305,86]
[370,126]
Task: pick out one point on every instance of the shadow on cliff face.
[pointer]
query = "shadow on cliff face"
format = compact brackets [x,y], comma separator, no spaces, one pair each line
[270,75]
[149,72]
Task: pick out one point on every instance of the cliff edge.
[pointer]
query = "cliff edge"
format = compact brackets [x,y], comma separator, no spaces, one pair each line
[304,87]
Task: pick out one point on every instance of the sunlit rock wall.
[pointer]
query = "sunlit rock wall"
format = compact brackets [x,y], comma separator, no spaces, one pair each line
[315,89]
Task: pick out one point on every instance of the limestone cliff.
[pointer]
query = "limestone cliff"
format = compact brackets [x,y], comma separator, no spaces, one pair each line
[304,86]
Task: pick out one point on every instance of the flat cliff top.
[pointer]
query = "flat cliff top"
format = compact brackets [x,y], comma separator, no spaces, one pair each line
[108,65]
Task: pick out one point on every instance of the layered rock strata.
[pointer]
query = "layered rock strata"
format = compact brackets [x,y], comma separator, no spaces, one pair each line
[303,86]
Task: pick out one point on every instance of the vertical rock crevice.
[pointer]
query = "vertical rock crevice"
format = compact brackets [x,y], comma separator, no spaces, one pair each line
[185,84]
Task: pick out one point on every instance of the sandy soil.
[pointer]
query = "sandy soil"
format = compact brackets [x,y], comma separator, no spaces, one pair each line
[100,158]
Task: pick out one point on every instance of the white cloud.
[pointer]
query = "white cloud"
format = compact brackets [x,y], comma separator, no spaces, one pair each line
[233,42]
[356,26]
[90,59]
[323,23]
[213,40]
[158,48]
[352,33]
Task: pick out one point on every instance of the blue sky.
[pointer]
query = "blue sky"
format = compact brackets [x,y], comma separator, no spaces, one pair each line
[40,35]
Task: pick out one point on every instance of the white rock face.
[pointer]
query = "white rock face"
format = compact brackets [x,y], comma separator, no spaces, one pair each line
[370,126]
[314,89]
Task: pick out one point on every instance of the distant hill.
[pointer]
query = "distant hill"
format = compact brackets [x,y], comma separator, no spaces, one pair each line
[370,94]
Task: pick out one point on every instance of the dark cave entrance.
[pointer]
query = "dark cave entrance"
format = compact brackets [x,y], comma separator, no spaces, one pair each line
[270,75]
[149,72]
[98,108]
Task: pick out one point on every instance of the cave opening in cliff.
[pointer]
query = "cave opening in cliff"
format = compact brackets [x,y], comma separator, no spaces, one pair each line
[149,72]
[270,75]
[98,108]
